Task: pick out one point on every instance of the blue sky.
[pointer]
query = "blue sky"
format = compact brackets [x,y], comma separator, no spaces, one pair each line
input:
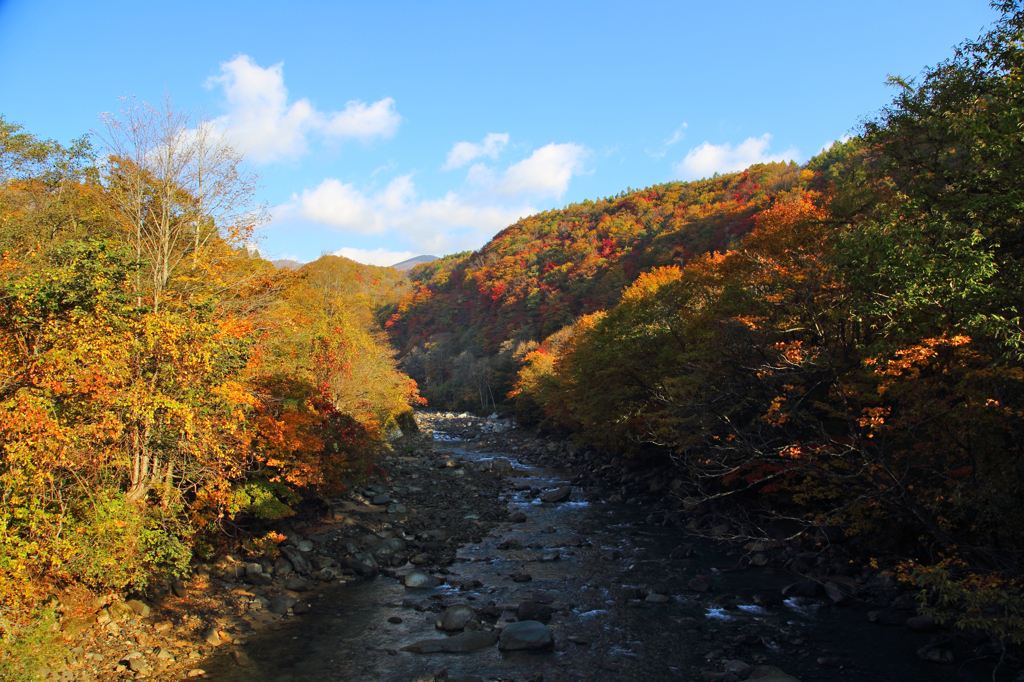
[385,130]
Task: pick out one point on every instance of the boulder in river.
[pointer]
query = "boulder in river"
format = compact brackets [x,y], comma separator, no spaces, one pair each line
[459,644]
[420,580]
[557,495]
[526,634]
[454,618]
[362,563]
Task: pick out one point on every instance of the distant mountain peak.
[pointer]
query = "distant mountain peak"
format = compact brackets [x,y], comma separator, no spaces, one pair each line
[413,262]
[286,264]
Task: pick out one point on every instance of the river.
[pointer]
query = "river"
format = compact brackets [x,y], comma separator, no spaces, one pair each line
[605,627]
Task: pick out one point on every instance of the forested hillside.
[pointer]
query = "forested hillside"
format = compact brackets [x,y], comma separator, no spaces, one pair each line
[471,317]
[857,360]
[161,384]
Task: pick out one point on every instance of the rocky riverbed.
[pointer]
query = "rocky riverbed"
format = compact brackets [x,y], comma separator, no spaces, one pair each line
[485,552]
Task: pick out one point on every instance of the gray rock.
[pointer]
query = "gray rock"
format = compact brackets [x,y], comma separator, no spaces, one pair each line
[73,627]
[120,611]
[298,585]
[459,644]
[383,498]
[527,634]
[557,495]
[322,562]
[738,667]
[297,559]
[834,593]
[282,566]
[253,568]
[699,585]
[454,618]
[420,580]
[260,579]
[212,637]
[305,546]
[362,563]
[500,465]
[395,544]
[281,603]
[657,598]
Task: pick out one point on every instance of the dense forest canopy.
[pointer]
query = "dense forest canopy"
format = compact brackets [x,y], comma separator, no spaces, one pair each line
[470,314]
[838,344]
[160,384]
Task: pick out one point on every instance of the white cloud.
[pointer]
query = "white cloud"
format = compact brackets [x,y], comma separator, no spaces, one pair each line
[432,225]
[381,257]
[546,172]
[488,202]
[708,159]
[676,138]
[464,152]
[267,128]
[336,204]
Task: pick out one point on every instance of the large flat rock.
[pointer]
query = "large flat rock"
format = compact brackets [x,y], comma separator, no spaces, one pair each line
[526,634]
[459,644]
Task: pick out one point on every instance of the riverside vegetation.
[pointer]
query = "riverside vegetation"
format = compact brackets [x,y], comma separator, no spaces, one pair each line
[830,350]
[837,345]
[163,390]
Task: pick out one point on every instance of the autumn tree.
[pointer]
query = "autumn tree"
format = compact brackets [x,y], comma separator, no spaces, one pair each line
[178,187]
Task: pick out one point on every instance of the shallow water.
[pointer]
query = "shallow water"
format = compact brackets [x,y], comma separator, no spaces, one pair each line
[602,631]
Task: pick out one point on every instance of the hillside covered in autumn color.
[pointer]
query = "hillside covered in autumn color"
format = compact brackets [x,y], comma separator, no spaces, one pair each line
[833,346]
[468,314]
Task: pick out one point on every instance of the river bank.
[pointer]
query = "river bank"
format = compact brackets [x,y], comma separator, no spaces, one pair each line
[629,584]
